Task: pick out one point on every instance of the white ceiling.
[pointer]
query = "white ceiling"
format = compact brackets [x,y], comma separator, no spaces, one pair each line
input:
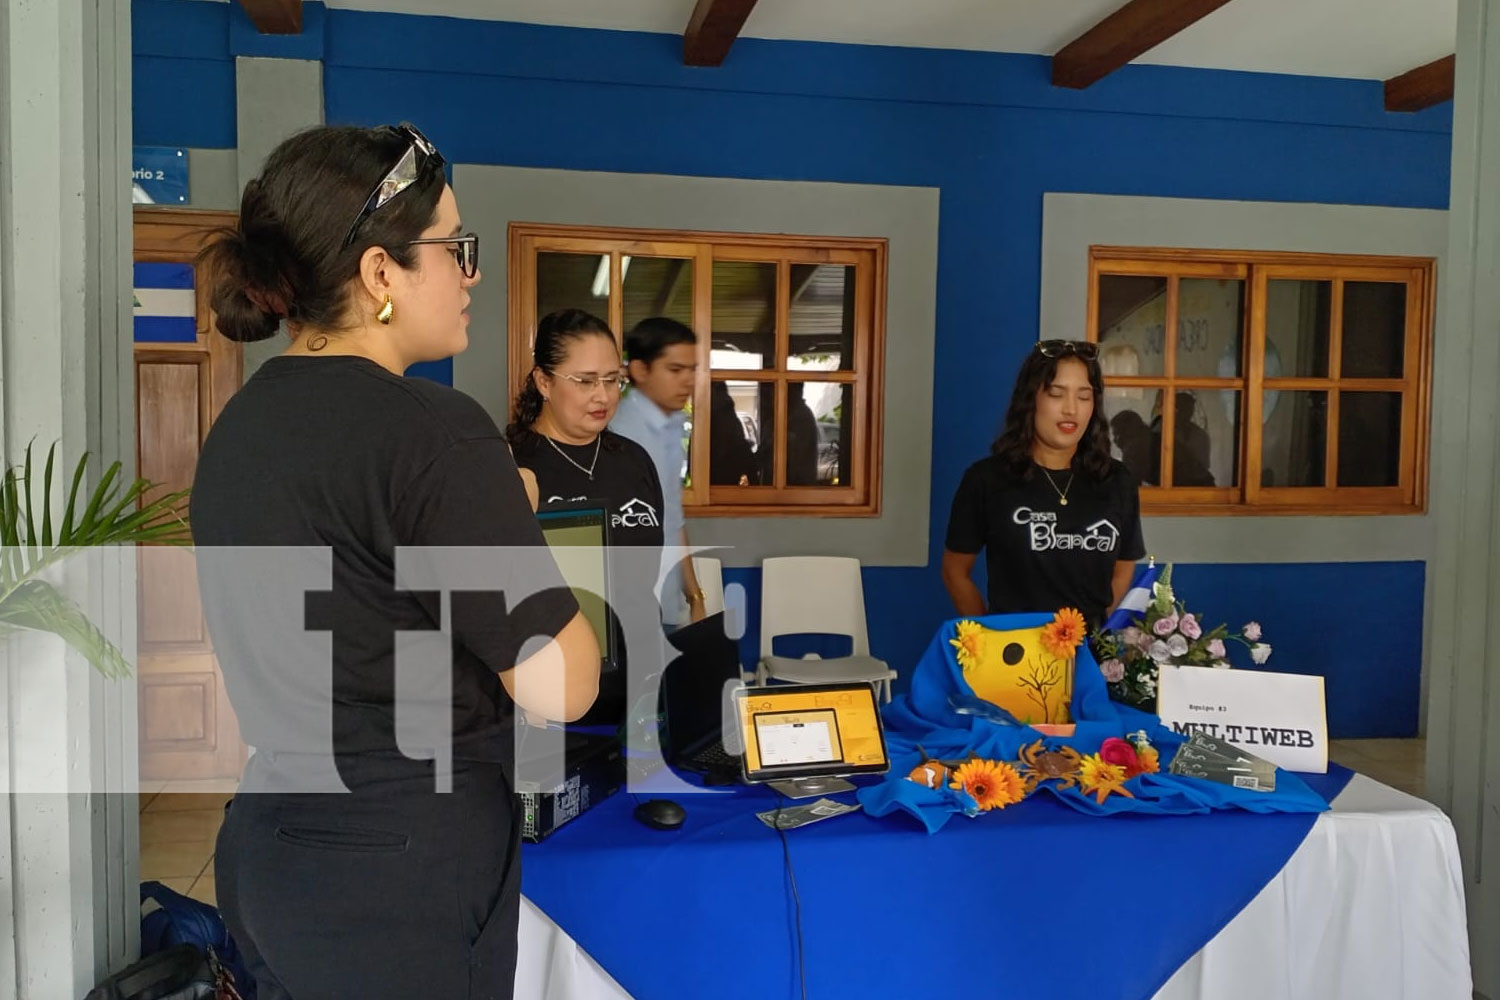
[1363,39]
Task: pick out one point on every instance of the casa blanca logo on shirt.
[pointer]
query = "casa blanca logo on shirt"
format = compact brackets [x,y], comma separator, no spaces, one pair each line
[1101,536]
[635,513]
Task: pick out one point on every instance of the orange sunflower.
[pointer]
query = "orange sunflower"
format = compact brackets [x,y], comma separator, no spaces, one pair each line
[970,636]
[1150,760]
[1099,778]
[1064,633]
[992,784]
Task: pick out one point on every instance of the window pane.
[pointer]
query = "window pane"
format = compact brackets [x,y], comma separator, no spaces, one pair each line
[744,334]
[1210,318]
[572,281]
[818,433]
[1131,414]
[1294,444]
[1206,438]
[1374,331]
[1132,316]
[1369,439]
[657,286]
[1297,316]
[742,432]
[821,318]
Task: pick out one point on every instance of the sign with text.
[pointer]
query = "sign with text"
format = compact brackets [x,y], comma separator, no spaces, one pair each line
[1280,717]
[159,175]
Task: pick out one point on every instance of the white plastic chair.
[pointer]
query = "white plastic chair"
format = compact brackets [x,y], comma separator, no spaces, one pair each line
[822,594]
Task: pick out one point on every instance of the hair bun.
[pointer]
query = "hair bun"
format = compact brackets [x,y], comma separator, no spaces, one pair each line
[253,289]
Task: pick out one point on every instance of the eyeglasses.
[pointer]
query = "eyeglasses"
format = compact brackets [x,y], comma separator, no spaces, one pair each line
[1085,350]
[612,382]
[465,250]
[420,157]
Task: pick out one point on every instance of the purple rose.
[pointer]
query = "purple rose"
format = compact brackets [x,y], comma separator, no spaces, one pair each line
[1189,627]
[1113,670]
[1165,626]
[1216,648]
[1252,631]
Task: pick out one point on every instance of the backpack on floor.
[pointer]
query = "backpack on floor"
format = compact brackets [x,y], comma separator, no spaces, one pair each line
[180,972]
[169,918]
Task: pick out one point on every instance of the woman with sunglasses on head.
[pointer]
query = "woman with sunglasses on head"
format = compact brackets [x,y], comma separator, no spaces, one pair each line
[344,867]
[1057,518]
[559,431]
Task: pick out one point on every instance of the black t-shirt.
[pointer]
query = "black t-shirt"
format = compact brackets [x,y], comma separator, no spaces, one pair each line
[337,453]
[624,480]
[1041,555]
[626,484]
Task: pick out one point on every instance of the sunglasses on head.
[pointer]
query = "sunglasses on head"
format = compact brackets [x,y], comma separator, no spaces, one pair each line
[1084,350]
[419,159]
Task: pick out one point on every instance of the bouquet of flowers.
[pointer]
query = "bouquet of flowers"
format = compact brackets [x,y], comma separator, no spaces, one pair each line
[1168,633]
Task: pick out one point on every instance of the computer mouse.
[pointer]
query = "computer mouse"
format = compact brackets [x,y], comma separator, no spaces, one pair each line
[660,814]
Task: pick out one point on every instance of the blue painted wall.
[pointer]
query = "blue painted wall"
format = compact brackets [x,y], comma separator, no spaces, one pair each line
[986,129]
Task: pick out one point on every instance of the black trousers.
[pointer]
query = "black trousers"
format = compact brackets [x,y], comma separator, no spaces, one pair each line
[389,891]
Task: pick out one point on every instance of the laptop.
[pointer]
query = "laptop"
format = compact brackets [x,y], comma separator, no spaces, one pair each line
[693,699]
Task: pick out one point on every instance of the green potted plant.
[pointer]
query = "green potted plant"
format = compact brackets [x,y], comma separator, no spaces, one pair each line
[33,542]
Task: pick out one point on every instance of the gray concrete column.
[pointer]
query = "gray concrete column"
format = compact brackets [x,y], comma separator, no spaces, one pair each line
[69,903]
[274,98]
[1463,731]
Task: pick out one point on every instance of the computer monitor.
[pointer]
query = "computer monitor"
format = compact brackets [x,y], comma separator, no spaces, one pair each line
[579,539]
[803,738]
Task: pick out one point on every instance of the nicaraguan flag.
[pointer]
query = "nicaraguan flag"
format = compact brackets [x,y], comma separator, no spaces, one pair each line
[165,304]
[1134,603]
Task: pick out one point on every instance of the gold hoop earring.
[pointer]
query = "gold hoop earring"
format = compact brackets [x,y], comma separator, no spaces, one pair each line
[386,311]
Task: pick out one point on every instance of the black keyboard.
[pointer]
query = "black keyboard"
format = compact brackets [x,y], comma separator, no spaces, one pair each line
[714,758]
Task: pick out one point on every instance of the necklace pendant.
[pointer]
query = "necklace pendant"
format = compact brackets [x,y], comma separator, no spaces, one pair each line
[1063,501]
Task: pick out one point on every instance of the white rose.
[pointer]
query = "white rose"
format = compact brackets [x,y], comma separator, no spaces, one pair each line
[1177,645]
[1160,652]
[1260,652]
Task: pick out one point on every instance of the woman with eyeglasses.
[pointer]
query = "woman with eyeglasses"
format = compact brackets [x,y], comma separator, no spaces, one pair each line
[345,867]
[1057,517]
[559,431]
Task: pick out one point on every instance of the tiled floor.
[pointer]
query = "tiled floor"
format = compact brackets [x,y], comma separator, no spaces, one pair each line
[179,824]
[1398,763]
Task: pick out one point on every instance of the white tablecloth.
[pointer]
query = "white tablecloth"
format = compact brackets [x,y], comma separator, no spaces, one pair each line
[1370,907]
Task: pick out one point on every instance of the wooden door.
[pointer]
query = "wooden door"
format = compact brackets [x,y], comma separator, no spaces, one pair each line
[184,373]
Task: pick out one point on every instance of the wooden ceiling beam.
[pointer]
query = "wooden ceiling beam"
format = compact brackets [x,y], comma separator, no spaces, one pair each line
[275,17]
[1135,28]
[1421,87]
[712,29]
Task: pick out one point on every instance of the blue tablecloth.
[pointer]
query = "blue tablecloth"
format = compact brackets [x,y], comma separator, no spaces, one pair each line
[1035,901]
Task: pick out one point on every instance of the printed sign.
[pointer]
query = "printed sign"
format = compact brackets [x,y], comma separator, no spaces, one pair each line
[1280,717]
[159,175]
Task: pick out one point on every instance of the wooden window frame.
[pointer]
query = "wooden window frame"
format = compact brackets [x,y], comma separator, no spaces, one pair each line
[1255,268]
[700,499]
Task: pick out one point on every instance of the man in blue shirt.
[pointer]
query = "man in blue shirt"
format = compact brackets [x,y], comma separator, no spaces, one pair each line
[662,357]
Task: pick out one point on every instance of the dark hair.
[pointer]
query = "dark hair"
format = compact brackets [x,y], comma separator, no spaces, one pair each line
[1016,437]
[284,259]
[651,338]
[554,332]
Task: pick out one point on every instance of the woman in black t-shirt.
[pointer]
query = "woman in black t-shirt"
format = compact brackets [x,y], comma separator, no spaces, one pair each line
[1058,518]
[559,433]
[344,867]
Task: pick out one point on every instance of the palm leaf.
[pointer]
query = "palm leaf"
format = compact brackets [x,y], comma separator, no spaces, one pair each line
[109,516]
[41,607]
